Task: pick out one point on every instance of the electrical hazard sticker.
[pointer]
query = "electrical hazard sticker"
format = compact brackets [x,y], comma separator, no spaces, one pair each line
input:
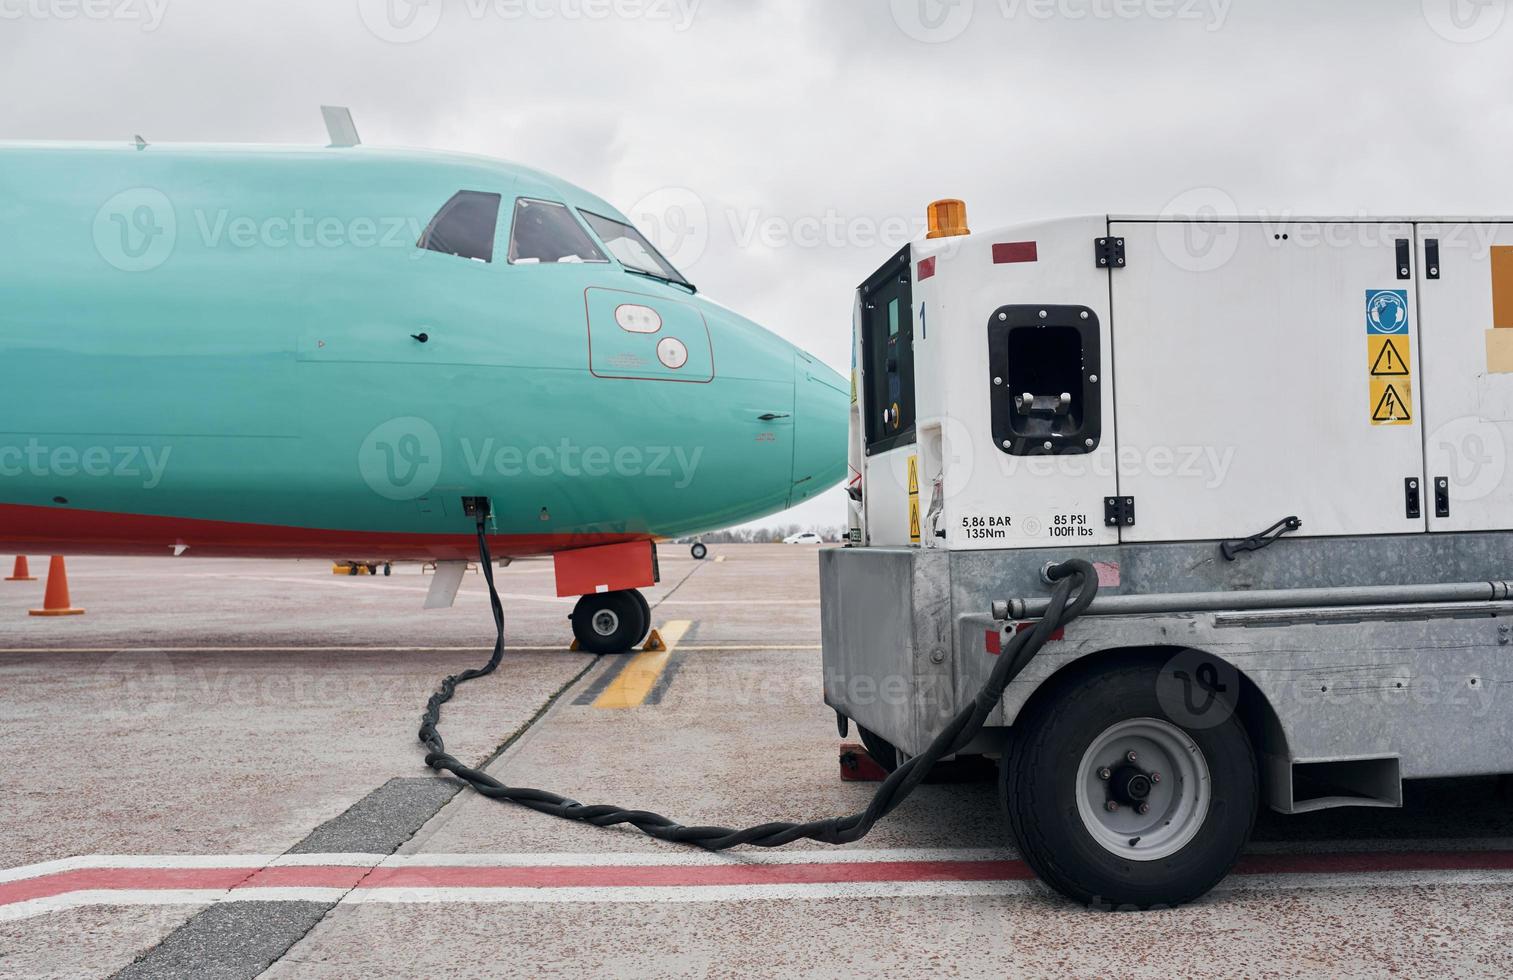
[1391,402]
[1389,357]
[914,499]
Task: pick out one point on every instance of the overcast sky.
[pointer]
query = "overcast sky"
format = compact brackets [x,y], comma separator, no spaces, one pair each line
[782,149]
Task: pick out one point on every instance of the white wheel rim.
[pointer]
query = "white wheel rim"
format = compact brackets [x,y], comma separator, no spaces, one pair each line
[605,622]
[1178,802]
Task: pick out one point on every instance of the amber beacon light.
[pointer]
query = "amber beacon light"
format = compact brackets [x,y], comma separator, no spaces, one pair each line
[948,219]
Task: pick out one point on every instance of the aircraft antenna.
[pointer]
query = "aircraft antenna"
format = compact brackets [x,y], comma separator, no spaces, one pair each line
[339,125]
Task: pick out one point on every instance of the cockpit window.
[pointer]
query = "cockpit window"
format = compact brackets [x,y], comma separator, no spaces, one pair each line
[464,226]
[546,232]
[632,249]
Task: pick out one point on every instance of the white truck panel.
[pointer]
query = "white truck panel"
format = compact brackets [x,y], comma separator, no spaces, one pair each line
[1244,388]
[993,499]
[887,496]
[1468,373]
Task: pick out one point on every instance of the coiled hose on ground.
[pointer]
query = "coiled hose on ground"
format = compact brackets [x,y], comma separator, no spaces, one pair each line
[1069,577]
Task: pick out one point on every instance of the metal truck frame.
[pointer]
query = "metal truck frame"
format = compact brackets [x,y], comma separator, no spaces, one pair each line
[1324,620]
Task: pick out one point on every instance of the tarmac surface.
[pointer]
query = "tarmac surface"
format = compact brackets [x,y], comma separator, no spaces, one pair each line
[214,772]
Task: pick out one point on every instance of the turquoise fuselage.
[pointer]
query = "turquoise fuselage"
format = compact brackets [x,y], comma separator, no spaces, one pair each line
[214,348]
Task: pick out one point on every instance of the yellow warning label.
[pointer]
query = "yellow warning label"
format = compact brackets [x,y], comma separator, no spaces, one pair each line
[1391,401]
[914,499]
[1391,357]
[1389,372]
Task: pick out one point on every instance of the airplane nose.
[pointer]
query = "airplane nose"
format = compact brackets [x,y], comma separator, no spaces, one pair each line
[821,401]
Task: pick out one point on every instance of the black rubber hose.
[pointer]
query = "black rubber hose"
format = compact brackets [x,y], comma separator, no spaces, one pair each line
[1068,576]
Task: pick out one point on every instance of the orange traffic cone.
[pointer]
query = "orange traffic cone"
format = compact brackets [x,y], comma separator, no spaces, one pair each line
[22,572]
[56,602]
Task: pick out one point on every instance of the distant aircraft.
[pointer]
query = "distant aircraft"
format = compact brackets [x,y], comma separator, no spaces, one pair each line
[321,352]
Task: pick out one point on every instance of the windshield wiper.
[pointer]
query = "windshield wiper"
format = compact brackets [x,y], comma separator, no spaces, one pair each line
[661,278]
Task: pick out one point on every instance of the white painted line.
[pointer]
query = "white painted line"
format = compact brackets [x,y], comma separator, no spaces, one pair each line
[327,860]
[252,862]
[690,893]
[256,894]
[677,859]
[400,879]
[76,900]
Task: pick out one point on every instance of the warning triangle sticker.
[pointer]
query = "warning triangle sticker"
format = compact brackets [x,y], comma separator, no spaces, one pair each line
[1389,363]
[1391,408]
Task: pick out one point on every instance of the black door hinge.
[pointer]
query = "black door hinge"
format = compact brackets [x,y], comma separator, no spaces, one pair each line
[1109,252]
[1441,497]
[1431,258]
[1118,511]
[1404,259]
[1410,490]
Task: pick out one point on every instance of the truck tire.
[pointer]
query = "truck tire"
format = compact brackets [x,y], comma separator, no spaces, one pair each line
[699,551]
[1070,759]
[609,622]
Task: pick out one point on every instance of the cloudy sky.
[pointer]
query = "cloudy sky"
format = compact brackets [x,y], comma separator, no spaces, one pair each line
[782,149]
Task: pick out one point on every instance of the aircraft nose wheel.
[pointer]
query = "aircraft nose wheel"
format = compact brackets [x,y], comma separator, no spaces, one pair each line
[611,622]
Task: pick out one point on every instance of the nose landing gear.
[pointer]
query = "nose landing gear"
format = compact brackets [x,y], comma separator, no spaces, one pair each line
[611,622]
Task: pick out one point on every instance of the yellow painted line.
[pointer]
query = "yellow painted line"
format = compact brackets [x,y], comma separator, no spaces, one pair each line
[635,682]
[719,558]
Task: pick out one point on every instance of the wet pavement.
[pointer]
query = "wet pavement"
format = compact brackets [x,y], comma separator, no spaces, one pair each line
[214,771]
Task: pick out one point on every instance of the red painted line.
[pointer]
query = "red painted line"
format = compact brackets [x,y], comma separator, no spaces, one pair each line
[307,876]
[546,876]
[116,879]
[694,875]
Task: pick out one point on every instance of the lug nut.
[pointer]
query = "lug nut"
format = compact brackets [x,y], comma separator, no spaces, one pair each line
[1155,777]
[1130,756]
[1105,774]
[1111,806]
[1144,808]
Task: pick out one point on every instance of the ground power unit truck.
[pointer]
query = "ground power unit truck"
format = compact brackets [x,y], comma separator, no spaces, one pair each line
[1282,444]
